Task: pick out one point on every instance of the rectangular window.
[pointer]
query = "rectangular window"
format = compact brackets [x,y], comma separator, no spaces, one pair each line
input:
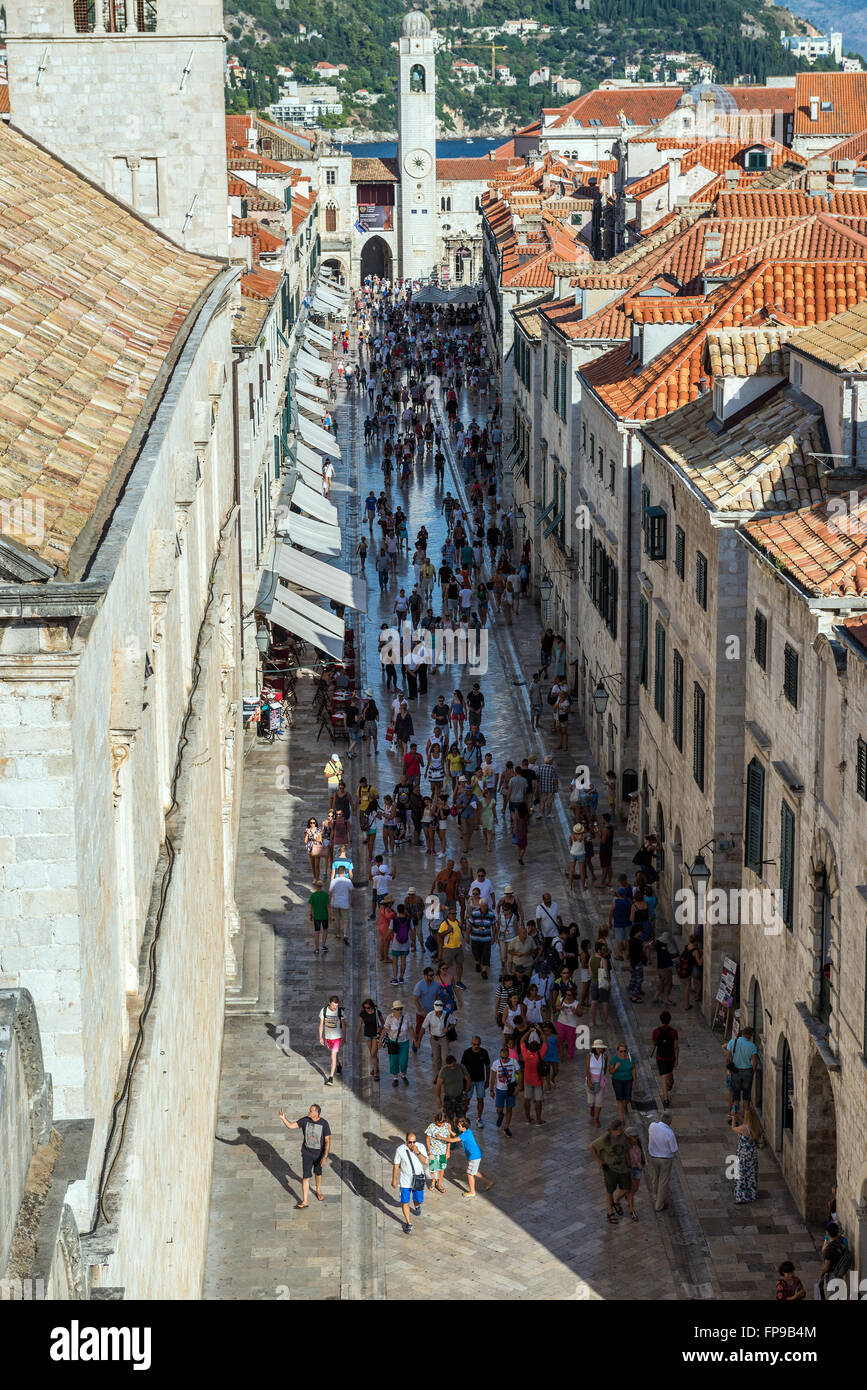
[861,771]
[330,176]
[680,552]
[545,370]
[656,536]
[659,672]
[787,865]
[701,578]
[754,831]
[252,403]
[698,703]
[797,374]
[612,475]
[677,699]
[601,462]
[645,506]
[563,387]
[642,640]
[584,436]
[760,639]
[790,675]
[592,454]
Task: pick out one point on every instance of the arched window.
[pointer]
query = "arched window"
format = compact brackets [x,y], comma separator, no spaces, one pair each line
[331,218]
[787,1082]
[114,16]
[445,204]
[417,78]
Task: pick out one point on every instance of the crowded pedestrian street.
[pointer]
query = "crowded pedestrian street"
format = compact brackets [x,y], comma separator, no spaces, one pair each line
[524,1205]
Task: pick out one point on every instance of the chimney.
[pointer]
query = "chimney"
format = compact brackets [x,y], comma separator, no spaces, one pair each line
[731,178]
[814,108]
[712,247]
[844,175]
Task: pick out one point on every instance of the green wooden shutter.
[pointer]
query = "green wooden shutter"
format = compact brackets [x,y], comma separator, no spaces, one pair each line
[787,864]
[862,769]
[698,710]
[677,699]
[760,642]
[659,672]
[754,832]
[642,640]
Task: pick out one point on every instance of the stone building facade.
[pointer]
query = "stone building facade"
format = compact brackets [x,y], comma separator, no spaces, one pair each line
[120,710]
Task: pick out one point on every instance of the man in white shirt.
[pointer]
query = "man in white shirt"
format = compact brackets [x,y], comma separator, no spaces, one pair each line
[340,892]
[435,1025]
[410,1160]
[548,917]
[485,887]
[332,1033]
[661,1150]
[543,981]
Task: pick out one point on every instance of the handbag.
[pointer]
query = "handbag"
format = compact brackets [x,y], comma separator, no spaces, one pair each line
[451,1032]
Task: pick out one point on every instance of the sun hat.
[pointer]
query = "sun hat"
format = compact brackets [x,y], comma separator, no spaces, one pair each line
[597,1042]
[397,1004]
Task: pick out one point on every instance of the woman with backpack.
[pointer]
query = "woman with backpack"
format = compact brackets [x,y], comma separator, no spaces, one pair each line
[667,1049]
[370,1021]
[401,938]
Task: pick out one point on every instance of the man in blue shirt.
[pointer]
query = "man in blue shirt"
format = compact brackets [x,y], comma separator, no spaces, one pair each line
[481,923]
[470,1146]
[424,995]
[745,1059]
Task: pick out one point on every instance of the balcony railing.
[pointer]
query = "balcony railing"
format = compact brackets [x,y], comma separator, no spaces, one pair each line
[115,16]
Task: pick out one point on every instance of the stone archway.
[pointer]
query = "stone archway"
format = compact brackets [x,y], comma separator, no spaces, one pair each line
[820,1158]
[375,259]
[756,1021]
[336,268]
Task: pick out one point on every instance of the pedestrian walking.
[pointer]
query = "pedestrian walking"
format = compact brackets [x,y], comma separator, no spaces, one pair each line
[332,1033]
[637,1164]
[622,1071]
[476,1061]
[315,1147]
[661,1151]
[746,1159]
[742,1059]
[533,1054]
[436,1024]
[472,1150]
[595,1079]
[340,892]
[396,1035]
[610,1151]
[370,1022]
[666,1046]
[318,904]
[452,1086]
[408,1175]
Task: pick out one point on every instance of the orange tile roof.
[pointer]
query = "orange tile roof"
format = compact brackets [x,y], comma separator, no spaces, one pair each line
[851,202]
[4,98]
[847,91]
[853,148]
[781,202]
[856,628]
[93,302]
[764,98]
[260,284]
[263,239]
[825,551]
[804,293]
[639,104]
[451,169]
[257,200]
[374,170]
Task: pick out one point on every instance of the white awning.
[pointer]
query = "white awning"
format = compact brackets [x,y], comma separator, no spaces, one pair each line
[307,475]
[305,402]
[326,292]
[325,304]
[309,573]
[305,383]
[312,364]
[317,617]
[320,336]
[309,458]
[318,437]
[312,535]
[329,282]
[313,503]
[292,621]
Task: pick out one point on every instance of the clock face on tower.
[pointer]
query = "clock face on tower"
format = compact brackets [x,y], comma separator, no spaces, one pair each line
[417,164]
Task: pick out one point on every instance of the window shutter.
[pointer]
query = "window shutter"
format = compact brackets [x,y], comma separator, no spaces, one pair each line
[862,769]
[701,578]
[612,601]
[657,533]
[760,642]
[677,699]
[680,552]
[754,832]
[642,641]
[698,734]
[645,504]
[790,675]
[659,672]
[787,863]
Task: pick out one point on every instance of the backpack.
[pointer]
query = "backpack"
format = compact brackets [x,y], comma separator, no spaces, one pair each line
[401,931]
[551,956]
[684,964]
[340,1013]
[665,1045]
[844,1262]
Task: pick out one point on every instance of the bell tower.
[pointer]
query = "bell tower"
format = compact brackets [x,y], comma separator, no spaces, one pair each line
[416,146]
[131,93]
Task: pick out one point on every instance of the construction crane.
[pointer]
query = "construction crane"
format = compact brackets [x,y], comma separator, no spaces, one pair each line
[495,49]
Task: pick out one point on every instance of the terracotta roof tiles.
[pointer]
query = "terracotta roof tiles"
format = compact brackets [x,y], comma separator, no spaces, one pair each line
[847,93]
[743,352]
[824,550]
[839,342]
[374,170]
[639,104]
[92,300]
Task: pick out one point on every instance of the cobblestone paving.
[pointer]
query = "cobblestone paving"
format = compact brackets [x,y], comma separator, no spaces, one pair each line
[542,1228]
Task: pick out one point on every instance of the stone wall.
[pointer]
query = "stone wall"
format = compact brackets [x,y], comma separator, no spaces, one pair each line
[102,99]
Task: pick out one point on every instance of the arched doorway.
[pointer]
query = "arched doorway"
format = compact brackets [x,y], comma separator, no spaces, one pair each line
[757,1023]
[376,259]
[820,1166]
[334,267]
